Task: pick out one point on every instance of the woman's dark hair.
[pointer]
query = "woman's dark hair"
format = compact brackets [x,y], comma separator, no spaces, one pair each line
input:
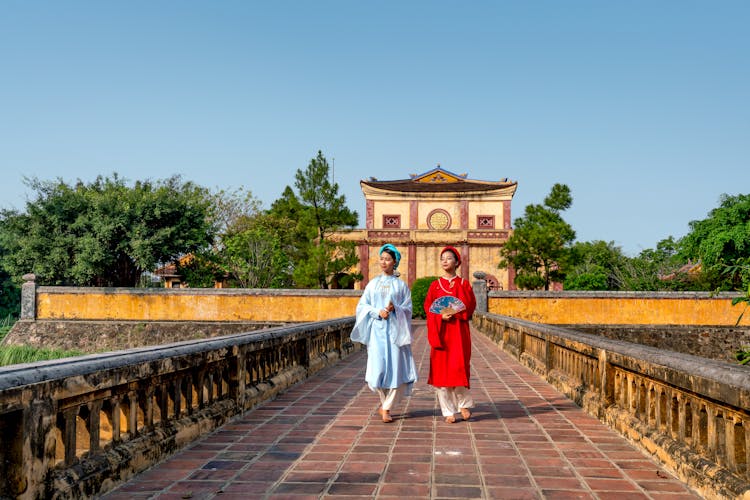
[389,252]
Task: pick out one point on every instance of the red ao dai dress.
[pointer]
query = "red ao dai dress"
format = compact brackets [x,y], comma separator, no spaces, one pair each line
[450,342]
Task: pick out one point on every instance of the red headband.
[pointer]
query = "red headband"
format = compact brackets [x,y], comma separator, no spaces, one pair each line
[453,251]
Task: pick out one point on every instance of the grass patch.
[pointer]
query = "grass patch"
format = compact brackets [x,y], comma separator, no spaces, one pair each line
[15,354]
[5,325]
[3,332]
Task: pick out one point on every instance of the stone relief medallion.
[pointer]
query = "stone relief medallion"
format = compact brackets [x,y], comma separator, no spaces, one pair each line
[439,219]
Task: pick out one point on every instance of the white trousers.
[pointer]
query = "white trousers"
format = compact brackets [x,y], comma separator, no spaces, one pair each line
[389,397]
[452,399]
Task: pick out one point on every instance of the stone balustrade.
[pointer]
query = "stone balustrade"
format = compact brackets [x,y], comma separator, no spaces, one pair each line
[690,413]
[76,427]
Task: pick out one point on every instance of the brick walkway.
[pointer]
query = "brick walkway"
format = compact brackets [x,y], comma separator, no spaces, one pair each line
[324,439]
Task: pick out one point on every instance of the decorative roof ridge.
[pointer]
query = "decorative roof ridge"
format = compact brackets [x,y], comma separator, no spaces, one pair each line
[437,169]
[438,173]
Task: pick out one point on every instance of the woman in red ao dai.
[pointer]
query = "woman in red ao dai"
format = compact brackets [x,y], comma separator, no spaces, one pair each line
[450,339]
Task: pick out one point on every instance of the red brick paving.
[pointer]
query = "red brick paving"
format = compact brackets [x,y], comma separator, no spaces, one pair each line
[324,439]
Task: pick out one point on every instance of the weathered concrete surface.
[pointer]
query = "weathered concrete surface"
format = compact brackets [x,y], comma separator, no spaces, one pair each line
[713,342]
[691,413]
[74,427]
[99,336]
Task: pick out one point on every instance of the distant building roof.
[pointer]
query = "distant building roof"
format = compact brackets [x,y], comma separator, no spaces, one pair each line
[438,180]
[690,270]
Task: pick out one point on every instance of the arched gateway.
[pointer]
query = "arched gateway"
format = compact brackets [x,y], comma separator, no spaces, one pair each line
[422,214]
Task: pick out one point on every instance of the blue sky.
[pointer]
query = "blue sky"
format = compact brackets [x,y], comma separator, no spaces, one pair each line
[642,107]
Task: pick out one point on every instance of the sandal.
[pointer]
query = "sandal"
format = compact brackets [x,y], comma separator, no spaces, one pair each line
[450,419]
[385,415]
[465,413]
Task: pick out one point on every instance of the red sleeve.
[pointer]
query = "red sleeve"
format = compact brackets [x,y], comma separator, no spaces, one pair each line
[469,300]
[434,321]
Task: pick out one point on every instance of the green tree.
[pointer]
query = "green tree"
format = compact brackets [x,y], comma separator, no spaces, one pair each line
[657,269]
[539,248]
[10,297]
[595,264]
[203,269]
[288,214]
[722,241]
[255,255]
[105,233]
[232,211]
[250,249]
[320,212]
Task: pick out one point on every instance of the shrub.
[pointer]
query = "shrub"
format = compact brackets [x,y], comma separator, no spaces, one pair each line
[418,294]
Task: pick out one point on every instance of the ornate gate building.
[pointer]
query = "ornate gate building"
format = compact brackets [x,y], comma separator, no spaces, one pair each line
[422,214]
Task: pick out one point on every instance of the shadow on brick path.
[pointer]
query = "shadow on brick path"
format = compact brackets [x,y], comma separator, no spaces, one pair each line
[323,438]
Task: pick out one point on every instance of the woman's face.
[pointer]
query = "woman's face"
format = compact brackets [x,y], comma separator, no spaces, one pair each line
[448,261]
[387,262]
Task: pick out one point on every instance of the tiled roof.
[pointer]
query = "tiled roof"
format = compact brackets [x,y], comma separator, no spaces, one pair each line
[438,180]
[424,187]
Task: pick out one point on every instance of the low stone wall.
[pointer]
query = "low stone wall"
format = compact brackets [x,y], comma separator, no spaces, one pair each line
[713,342]
[101,336]
[77,427]
[283,306]
[688,412]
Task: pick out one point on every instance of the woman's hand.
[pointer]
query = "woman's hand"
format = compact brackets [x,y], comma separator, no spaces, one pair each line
[384,313]
[447,315]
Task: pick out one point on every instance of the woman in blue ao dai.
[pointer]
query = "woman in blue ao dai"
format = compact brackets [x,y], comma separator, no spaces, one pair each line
[383,324]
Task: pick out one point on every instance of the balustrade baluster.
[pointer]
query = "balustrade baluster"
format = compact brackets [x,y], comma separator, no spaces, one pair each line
[115,402]
[94,425]
[672,425]
[686,421]
[711,432]
[746,431]
[177,391]
[190,393]
[652,407]
[729,443]
[132,413]
[148,409]
[698,433]
[69,434]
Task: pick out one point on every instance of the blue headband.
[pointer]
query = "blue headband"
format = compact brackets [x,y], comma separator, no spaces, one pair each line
[396,253]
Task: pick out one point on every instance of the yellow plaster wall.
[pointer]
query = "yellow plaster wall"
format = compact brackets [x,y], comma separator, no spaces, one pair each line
[486,208]
[428,261]
[486,259]
[634,310]
[391,208]
[288,306]
[102,305]
[482,259]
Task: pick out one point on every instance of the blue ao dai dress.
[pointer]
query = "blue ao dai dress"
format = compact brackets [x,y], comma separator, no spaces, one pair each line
[389,359]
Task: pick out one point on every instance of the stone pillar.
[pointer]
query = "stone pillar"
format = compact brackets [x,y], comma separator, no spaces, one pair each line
[606,380]
[480,291]
[28,297]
